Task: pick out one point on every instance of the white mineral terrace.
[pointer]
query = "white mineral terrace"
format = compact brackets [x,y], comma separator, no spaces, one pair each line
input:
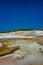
[16,37]
[21,34]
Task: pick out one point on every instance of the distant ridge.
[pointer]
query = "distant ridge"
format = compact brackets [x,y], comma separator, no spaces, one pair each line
[26,29]
[16,30]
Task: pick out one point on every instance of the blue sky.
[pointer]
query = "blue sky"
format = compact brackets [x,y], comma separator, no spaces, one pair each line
[20,14]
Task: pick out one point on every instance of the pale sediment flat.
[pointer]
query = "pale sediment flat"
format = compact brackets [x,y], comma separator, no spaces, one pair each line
[21,38]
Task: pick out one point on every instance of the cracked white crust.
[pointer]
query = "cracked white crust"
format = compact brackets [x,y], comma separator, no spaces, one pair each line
[27,48]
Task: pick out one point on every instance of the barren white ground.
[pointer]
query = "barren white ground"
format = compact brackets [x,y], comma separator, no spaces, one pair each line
[27,55]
